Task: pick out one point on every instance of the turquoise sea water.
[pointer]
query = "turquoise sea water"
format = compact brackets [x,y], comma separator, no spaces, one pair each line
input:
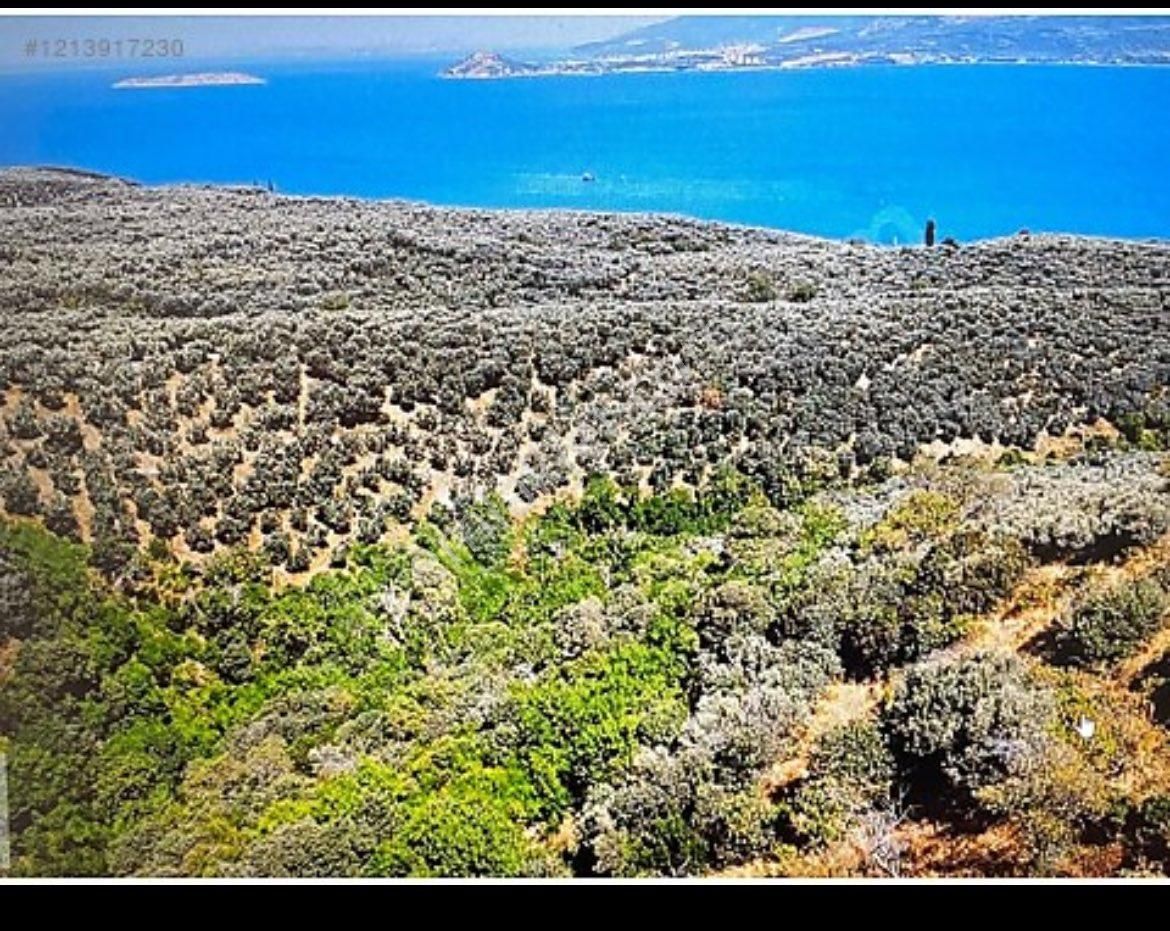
[871,152]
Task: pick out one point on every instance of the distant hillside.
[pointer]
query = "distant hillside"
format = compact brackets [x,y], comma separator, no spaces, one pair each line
[1033,38]
[705,31]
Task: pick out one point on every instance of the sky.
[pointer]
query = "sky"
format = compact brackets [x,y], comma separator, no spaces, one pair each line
[218,37]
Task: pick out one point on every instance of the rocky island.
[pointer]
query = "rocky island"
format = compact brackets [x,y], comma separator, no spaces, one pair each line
[488,65]
[203,79]
[355,538]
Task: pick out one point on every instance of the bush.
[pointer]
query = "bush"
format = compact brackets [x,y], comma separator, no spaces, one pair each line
[760,288]
[18,614]
[1068,789]
[802,292]
[855,754]
[669,816]
[1147,830]
[19,493]
[582,722]
[851,771]
[1109,625]
[751,700]
[971,720]
[972,570]
[920,516]
[305,848]
[486,529]
[457,832]
[884,612]
[735,607]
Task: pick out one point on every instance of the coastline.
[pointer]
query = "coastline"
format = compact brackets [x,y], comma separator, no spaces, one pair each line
[13,173]
[820,66]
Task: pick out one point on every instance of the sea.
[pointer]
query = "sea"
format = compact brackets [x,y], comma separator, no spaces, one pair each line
[869,152]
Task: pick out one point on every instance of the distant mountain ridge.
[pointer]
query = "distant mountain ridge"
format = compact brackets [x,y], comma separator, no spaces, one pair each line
[707,31]
[1035,38]
[724,43]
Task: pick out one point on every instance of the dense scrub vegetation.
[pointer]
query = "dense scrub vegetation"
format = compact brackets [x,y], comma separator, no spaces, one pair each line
[212,367]
[1110,624]
[601,689]
[371,539]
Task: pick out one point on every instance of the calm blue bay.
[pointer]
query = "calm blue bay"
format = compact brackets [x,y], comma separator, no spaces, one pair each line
[870,152]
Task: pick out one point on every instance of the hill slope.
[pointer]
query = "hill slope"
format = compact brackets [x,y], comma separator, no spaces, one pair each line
[980,38]
[264,354]
[355,538]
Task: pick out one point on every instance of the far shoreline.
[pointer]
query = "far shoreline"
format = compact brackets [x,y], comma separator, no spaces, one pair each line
[1022,234]
[794,69]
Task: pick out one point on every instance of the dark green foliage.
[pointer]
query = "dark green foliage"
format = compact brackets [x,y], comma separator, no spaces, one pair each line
[891,608]
[403,713]
[306,848]
[25,424]
[19,493]
[603,506]
[601,686]
[670,816]
[735,607]
[631,665]
[42,581]
[59,518]
[1109,625]
[856,754]
[486,529]
[253,392]
[1147,831]
[17,611]
[753,694]
[1148,429]
[581,724]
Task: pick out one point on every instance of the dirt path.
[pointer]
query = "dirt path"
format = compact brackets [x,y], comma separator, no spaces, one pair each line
[1045,595]
[1131,668]
[1138,566]
[842,703]
[1040,599]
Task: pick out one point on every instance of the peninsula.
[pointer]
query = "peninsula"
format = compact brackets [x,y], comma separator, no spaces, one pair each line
[733,43]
